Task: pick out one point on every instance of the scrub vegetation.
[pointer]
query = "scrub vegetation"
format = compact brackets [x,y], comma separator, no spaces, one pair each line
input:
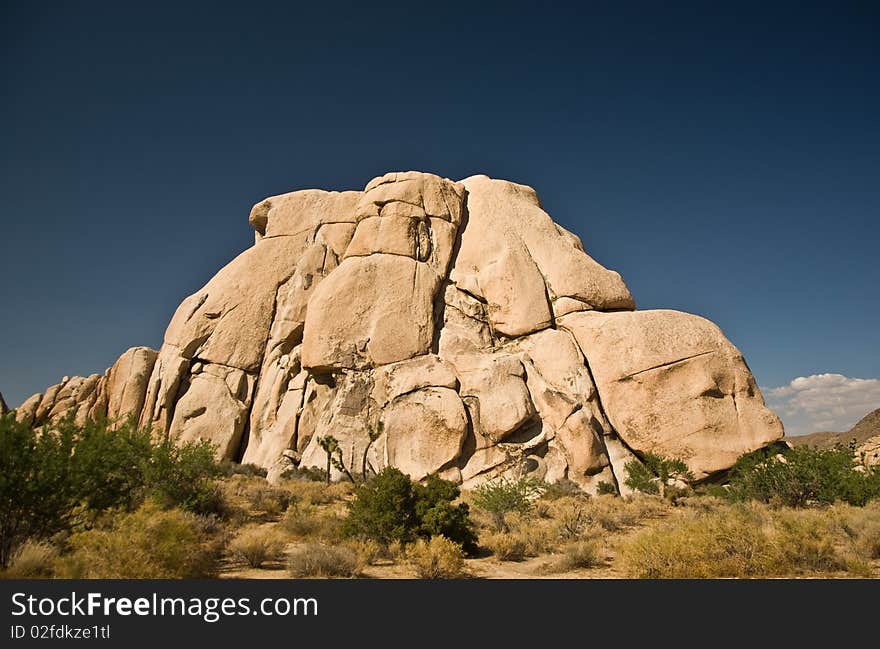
[101,501]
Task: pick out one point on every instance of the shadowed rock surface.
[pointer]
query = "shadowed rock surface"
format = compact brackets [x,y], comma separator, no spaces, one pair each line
[436,326]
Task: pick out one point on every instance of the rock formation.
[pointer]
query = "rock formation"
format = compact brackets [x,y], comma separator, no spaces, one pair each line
[436,326]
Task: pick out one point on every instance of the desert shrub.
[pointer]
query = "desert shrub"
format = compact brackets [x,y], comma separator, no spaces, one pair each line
[384,509]
[539,535]
[303,474]
[437,558]
[185,476]
[657,475]
[802,476]
[307,521]
[33,560]
[368,551]
[862,526]
[300,521]
[64,477]
[639,508]
[608,513]
[561,489]
[257,545]
[272,501]
[506,546]
[736,541]
[806,542]
[229,469]
[397,550]
[110,465]
[119,466]
[606,488]
[38,494]
[704,503]
[579,554]
[437,516]
[503,496]
[317,493]
[389,507]
[572,517]
[149,543]
[314,560]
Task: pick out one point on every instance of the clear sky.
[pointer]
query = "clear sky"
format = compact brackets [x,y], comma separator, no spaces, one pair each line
[726,161]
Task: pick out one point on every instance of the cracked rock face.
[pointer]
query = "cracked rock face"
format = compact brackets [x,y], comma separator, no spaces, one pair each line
[436,326]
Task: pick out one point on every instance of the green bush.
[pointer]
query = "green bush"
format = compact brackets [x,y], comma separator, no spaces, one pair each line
[606,489]
[561,489]
[656,475]
[504,496]
[437,515]
[802,476]
[38,494]
[185,475]
[230,468]
[390,508]
[62,478]
[111,465]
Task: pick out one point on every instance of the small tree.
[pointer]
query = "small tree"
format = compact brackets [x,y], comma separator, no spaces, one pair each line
[655,474]
[503,496]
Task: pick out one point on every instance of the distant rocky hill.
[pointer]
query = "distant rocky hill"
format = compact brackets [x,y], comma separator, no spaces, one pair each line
[434,326]
[868,426]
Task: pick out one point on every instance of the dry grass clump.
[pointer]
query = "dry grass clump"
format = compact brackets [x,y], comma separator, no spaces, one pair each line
[309,521]
[316,560]
[613,514]
[438,558]
[579,555]
[579,517]
[369,552]
[256,495]
[565,519]
[149,543]
[318,493]
[745,541]
[506,546]
[33,560]
[257,545]
[861,525]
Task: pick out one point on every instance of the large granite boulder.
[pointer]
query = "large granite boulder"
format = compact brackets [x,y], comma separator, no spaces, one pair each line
[436,326]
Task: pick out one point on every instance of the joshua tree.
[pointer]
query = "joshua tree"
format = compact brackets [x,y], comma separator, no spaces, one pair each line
[374,434]
[334,455]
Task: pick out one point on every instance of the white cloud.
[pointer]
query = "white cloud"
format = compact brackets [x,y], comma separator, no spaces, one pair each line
[823,402]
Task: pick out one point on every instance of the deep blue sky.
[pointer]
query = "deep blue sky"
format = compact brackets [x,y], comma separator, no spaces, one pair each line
[726,162]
